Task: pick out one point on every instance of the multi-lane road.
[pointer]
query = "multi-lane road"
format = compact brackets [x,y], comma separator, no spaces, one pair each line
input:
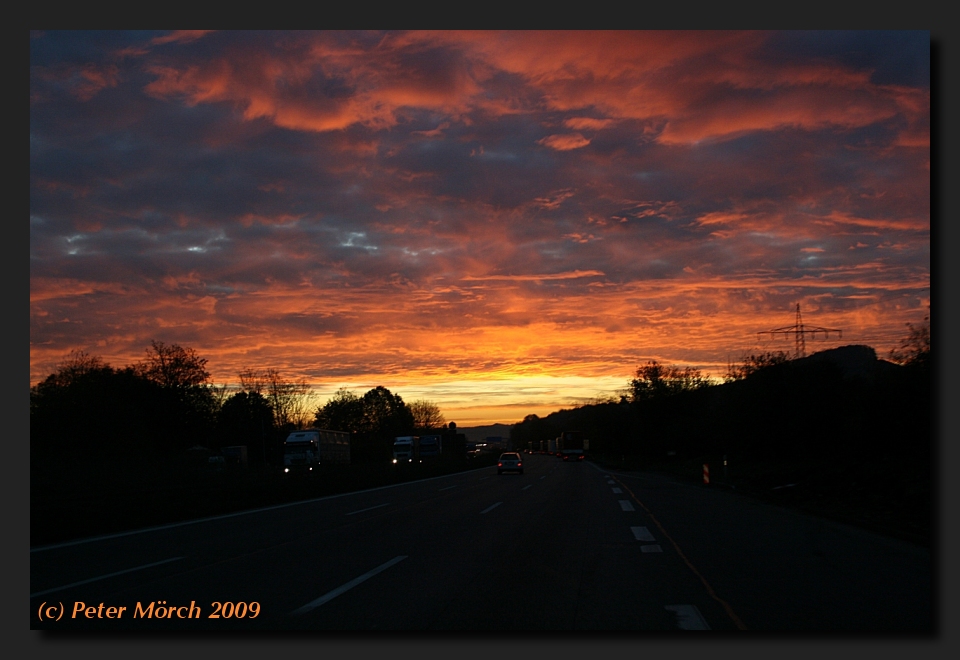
[561,547]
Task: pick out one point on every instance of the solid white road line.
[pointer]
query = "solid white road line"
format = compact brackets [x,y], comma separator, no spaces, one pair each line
[491,508]
[642,534]
[447,488]
[224,516]
[367,509]
[348,586]
[626,505]
[104,577]
[688,617]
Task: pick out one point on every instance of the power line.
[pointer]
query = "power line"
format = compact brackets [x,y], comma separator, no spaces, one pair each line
[799,331]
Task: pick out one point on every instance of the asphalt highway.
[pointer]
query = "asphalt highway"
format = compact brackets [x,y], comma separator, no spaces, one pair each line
[560,547]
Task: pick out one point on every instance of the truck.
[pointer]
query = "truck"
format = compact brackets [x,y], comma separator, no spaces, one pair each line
[498,443]
[571,445]
[307,449]
[431,447]
[406,449]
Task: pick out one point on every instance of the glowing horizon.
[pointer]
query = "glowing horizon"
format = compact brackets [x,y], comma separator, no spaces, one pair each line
[504,223]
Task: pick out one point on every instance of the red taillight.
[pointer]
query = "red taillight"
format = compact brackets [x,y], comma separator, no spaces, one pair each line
[499,464]
[519,464]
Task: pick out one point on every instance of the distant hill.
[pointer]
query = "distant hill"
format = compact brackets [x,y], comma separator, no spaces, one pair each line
[856,361]
[478,433]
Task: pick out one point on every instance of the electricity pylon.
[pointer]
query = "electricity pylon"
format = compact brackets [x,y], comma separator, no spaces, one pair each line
[799,331]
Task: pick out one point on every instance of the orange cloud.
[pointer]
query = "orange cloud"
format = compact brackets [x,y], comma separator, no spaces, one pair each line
[535,278]
[806,109]
[587,123]
[564,142]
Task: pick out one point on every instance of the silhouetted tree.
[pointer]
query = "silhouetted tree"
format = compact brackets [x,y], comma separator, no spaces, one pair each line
[914,349]
[385,414]
[750,364]
[289,399]
[654,380]
[343,412]
[426,415]
[174,367]
[77,365]
[88,410]
[246,418]
[188,405]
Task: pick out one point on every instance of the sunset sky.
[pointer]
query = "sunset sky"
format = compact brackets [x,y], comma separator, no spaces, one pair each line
[503,223]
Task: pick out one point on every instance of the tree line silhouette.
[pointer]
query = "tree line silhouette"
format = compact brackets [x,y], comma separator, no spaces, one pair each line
[165,405]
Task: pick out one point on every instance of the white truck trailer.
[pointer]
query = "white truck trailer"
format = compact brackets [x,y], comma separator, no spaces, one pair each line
[305,450]
[406,449]
[431,447]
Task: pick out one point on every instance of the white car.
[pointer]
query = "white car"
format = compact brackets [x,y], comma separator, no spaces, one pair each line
[510,462]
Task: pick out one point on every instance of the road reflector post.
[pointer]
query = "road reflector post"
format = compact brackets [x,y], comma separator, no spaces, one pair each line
[706,473]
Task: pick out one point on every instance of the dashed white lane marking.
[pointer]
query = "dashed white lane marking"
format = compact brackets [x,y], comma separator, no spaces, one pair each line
[642,534]
[651,548]
[492,507]
[448,488]
[526,487]
[626,505]
[688,617]
[330,595]
[367,509]
[616,490]
[544,477]
[104,577]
